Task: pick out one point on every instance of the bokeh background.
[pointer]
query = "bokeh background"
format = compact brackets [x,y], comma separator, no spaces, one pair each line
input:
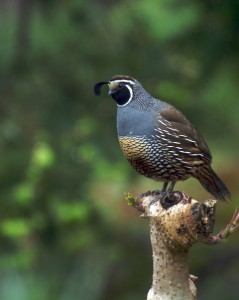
[66,231]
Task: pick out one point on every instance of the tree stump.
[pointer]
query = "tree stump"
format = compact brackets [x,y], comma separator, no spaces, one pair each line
[176,223]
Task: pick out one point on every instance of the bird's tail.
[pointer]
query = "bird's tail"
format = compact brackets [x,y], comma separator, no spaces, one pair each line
[213,184]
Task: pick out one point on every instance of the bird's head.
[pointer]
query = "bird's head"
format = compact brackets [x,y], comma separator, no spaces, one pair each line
[121,88]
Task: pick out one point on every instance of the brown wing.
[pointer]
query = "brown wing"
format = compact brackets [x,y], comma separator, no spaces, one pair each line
[191,139]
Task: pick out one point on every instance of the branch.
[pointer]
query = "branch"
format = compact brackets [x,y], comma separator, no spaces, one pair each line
[176,223]
[227,231]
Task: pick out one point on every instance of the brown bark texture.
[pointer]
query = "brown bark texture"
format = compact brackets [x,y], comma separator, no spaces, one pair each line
[176,223]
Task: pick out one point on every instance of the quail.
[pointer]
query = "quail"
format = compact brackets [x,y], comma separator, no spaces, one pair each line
[158,140]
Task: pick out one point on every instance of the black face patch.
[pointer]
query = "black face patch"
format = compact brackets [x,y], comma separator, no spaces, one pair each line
[120,90]
[122,94]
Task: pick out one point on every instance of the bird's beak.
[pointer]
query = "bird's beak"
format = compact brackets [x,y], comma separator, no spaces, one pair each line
[112,87]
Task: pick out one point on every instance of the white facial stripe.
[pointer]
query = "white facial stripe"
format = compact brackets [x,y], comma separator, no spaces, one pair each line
[131,96]
[124,80]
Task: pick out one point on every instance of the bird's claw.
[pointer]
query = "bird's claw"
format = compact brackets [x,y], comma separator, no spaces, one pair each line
[168,198]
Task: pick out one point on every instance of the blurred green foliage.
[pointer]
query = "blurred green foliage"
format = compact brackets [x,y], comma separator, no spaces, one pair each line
[65,231]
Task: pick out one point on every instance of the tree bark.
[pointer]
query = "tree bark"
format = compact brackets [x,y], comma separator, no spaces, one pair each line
[176,223]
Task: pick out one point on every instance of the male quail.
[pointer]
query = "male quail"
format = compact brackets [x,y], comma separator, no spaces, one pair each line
[158,140]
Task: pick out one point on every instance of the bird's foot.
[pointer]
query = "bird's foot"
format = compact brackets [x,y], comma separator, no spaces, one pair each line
[168,198]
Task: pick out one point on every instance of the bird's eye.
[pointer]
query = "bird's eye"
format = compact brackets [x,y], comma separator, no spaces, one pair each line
[121,85]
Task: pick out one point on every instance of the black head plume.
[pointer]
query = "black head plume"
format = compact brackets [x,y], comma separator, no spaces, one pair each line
[98,86]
